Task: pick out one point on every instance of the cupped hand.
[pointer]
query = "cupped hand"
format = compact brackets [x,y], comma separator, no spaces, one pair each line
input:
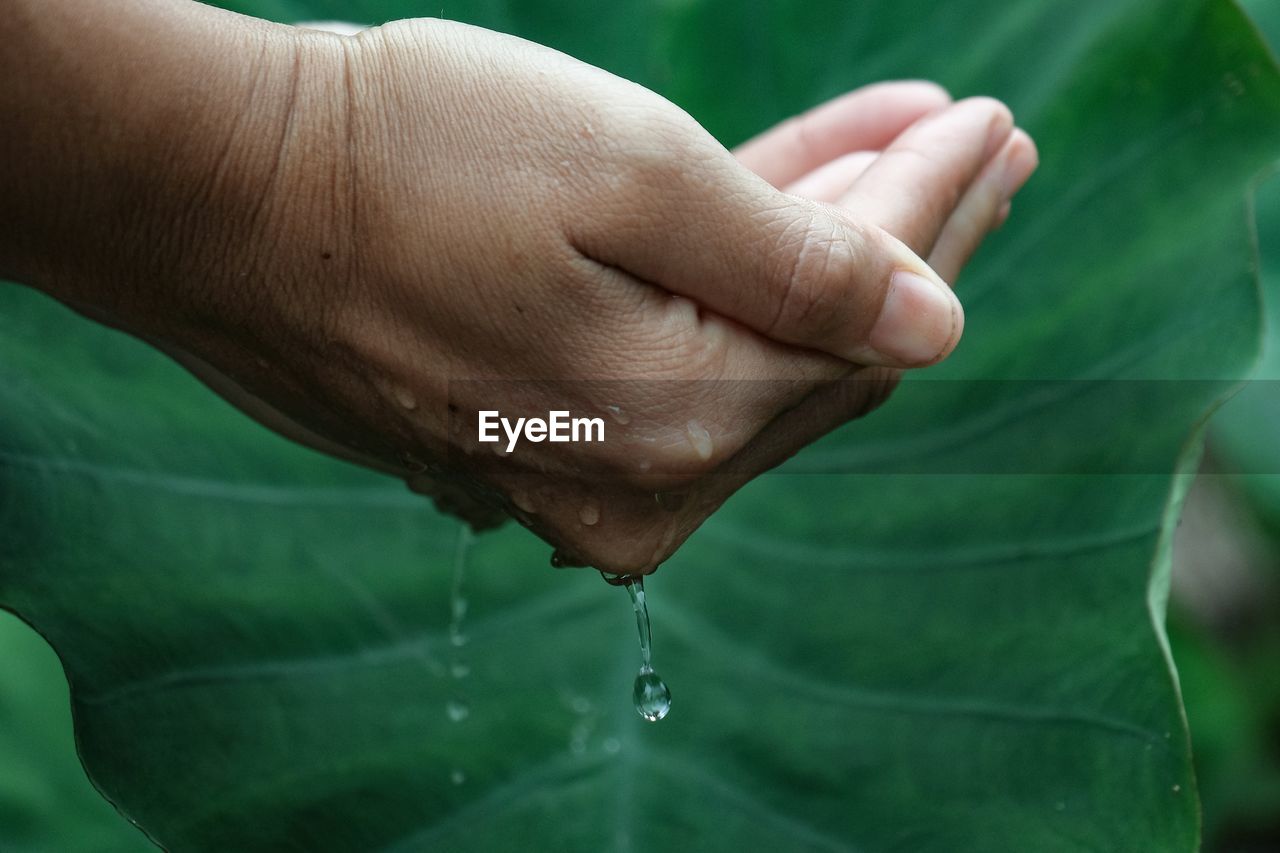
[438,220]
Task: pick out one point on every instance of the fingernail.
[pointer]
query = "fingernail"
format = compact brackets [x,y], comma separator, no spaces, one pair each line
[997,132]
[918,321]
[1002,215]
[1020,163]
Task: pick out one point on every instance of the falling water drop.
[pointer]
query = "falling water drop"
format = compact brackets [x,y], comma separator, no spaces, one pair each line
[457,708]
[651,695]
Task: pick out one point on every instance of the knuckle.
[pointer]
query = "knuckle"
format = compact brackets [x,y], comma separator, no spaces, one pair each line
[814,260]
[660,145]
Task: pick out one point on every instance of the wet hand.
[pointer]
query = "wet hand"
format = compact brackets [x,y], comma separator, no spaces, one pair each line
[430,220]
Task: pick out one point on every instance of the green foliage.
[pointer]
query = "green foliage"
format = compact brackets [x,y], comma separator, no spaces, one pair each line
[256,637]
[1228,669]
[45,801]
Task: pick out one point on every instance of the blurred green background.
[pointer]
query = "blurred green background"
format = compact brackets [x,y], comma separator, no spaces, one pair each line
[979,701]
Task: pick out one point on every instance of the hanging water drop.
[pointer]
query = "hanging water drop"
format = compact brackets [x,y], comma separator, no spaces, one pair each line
[589,513]
[650,693]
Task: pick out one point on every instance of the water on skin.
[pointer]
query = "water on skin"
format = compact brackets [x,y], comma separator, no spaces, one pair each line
[406,399]
[650,693]
[700,439]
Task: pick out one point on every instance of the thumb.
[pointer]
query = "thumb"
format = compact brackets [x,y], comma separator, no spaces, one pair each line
[794,270]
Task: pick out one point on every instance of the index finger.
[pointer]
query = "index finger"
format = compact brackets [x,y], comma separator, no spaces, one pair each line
[864,119]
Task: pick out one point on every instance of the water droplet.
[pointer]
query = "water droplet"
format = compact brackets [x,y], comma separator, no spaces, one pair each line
[458,667]
[457,710]
[406,399]
[580,705]
[457,777]
[1060,806]
[644,465]
[1177,788]
[700,439]
[612,745]
[651,695]
[618,415]
[589,514]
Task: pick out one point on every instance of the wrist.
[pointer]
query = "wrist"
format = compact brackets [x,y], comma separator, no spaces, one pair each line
[148,138]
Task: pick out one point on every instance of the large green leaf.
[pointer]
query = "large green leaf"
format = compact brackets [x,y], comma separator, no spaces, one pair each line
[46,803]
[257,638]
[1245,434]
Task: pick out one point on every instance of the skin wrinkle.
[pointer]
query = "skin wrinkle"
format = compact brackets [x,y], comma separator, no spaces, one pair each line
[427,159]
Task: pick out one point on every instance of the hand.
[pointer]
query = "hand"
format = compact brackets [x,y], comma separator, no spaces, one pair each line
[427,220]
